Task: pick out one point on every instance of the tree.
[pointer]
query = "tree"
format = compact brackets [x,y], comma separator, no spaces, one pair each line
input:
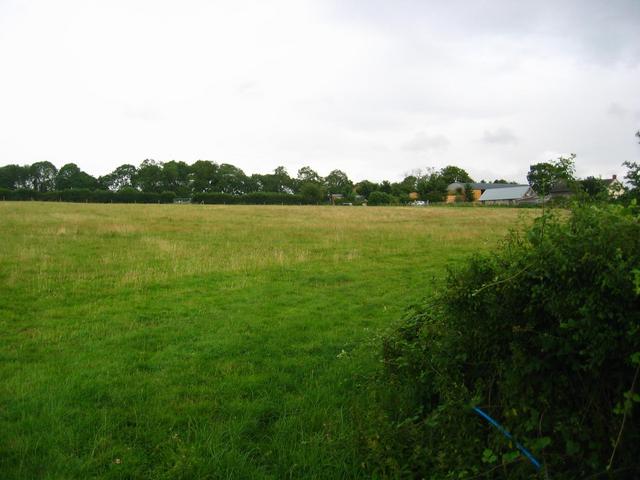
[338,182]
[594,187]
[405,187]
[385,186]
[381,198]
[279,181]
[432,186]
[121,177]
[14,176]
[452,174]
[231,179]
[148,178]
[42,176]
[468,193]
[365,188]
[203,176]
[633,177]
[312,192]
[70,176]
[175,177]
[543,177]
[307,174]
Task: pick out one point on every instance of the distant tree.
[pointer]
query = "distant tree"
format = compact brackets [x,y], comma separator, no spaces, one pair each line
[385,186]
[148,177]
[452,174]
[285,183]
[312,192]
[175,178]
[405,187]
[121,177]
[255,183]
[203,176]
[633,174]
[231,179]
[279,181]
[365,188]
[543,177]
[307,174]
[338,182]
[14,176]
[70,176]
[381,198]
[42,176]
[594,187]
[432,186]
[468,193]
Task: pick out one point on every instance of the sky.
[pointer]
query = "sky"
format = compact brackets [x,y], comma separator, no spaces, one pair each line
[375,88]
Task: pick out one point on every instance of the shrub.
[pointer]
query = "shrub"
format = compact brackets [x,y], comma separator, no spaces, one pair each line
[544,336]
[271,198]
[381,198]
[256,198]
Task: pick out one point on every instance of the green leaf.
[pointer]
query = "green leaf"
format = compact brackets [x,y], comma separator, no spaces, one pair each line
[488,456]
[510,456]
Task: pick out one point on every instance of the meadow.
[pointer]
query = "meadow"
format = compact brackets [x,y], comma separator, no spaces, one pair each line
[197,341]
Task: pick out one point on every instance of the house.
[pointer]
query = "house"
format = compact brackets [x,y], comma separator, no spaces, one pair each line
[615,188]
[455,191]
[510,195]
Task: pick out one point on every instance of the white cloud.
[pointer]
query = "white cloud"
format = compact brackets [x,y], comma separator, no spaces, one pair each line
[422,142]
[499,136]
[330,84]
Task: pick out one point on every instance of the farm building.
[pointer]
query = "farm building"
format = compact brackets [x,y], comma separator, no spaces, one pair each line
[455,191]
[510,195]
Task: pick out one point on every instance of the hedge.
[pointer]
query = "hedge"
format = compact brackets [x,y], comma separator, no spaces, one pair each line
[90,196]
[544,336]
[257,198]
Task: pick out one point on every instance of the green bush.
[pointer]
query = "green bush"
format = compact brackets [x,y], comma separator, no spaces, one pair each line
[543,335]
[271,198]
[381,198]
[127,195]
[256,198]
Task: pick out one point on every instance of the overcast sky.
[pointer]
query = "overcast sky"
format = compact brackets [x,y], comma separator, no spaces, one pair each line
[376,88]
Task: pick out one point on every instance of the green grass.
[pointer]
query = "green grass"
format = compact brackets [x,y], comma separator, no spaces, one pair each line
[189,341]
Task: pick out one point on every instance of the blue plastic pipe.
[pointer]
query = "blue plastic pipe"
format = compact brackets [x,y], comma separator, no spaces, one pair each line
[506,433]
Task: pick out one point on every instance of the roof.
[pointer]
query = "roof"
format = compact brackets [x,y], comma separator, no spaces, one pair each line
[509,193]
[478,186]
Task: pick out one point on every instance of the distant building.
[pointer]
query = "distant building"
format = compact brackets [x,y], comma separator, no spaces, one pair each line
[510,195]
[455,191]
[615,188]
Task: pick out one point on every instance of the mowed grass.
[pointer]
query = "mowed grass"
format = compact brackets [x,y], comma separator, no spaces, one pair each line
[191,341]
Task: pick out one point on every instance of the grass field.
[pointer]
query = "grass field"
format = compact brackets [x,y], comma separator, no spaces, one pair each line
[190,341]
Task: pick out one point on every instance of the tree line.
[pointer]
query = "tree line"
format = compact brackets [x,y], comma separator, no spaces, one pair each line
[209,180]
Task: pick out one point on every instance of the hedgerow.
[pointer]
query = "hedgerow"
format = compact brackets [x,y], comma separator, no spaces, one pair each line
[256,198]
[544,336]
[126,195]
